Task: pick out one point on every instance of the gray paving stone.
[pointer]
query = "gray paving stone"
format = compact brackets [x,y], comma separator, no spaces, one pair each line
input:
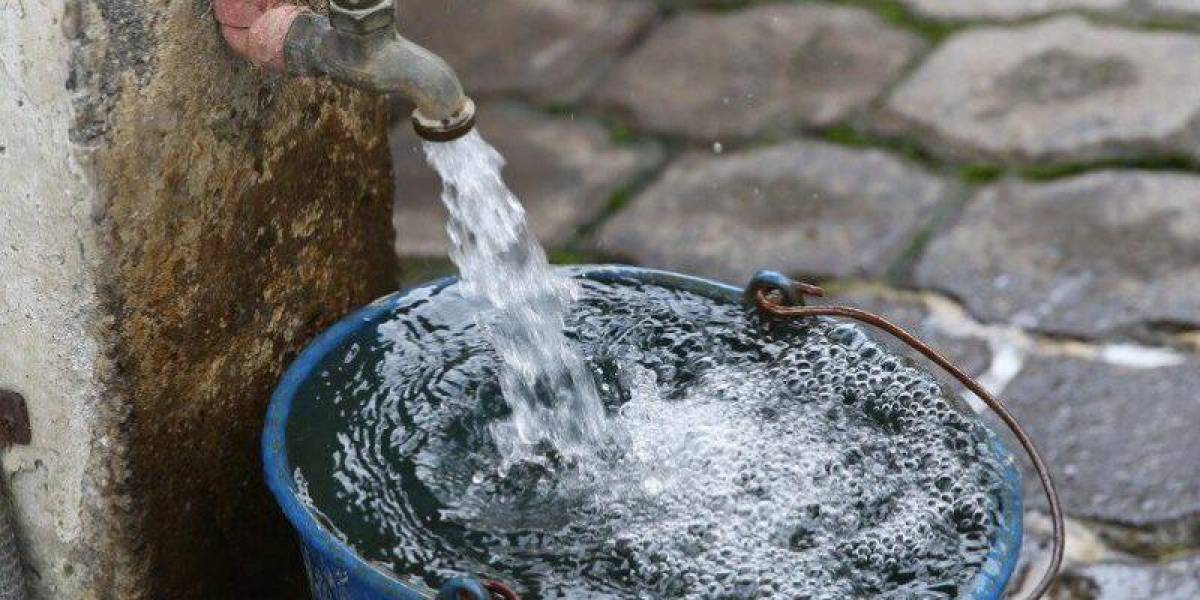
[1059,90]
[717,76]
[685,4]
[1174,580]
[1004,9]
[543,49]
[1176,7]
[805,208]
[1082,547]
[564,171]
[1120,441]
[972,355]
[1082,256]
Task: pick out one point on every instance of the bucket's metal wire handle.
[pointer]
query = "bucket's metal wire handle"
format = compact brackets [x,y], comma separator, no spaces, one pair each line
[779,297]
[463,588]
[500,591]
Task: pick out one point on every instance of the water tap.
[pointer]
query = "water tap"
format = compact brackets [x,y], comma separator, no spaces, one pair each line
[358,43]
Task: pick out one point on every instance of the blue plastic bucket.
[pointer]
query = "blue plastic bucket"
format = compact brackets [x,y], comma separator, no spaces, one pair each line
[336,573]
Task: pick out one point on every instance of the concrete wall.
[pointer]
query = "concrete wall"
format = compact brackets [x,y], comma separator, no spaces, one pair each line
[174,226]
[50,349]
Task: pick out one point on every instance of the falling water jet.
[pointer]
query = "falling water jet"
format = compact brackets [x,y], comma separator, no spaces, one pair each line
[522,304]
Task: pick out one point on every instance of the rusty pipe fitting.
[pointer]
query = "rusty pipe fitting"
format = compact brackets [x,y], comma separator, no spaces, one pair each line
[255,29]
[354,45]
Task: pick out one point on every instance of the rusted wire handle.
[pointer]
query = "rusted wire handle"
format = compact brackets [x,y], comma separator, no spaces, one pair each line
[500,590]
[762,295]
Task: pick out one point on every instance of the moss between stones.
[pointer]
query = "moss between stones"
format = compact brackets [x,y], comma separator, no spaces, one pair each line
[849,135]
[895,13]
[1163,163]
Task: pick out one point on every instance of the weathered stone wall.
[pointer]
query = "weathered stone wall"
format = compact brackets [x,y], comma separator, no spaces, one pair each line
[182,224]
[246,213]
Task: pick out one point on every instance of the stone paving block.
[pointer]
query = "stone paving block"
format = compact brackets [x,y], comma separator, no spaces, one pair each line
[1120,441]
[1060,90]
[716,76]
[802,208]
[1082,256]
[686,4]
[565,171]
[1004,9]
[1082,547]
[1174,580]
[551,50]
[1171,7]
[912,314]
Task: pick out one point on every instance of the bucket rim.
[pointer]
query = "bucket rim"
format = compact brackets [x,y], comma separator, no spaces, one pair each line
[989,582]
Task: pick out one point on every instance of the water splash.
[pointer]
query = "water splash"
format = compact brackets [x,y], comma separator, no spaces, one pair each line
[522,304]
[758,460]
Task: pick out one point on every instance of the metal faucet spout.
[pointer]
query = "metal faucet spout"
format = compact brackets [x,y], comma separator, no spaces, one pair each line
[357,44]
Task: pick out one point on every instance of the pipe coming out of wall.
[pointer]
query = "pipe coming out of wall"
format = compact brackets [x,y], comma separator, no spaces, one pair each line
[357,44]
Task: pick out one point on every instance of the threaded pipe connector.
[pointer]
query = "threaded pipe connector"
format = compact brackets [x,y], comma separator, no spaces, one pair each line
[445,130]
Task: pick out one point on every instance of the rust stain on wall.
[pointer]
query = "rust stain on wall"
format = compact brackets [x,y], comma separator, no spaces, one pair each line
[246,213]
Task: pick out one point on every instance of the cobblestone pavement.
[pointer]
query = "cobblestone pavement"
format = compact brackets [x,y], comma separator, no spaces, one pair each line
[1018,180]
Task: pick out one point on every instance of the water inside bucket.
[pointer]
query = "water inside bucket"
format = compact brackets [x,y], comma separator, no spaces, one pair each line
[747,459]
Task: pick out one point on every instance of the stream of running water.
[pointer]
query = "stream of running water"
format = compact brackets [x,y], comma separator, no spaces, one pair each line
[522,306]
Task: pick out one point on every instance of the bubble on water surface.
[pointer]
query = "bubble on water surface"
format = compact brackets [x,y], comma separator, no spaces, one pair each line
[744,460]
